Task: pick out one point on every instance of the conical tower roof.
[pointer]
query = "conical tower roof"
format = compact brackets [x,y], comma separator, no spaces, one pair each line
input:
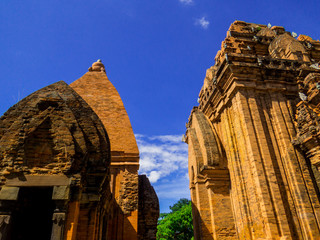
[96,89]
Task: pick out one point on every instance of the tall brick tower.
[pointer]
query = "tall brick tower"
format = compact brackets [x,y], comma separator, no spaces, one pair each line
[253,139]
[96,89]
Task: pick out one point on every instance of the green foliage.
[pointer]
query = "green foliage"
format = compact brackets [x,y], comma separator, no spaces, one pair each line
[176,225]
[178,205]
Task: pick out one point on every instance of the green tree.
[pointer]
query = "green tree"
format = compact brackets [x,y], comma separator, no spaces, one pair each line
[176,225]
[178,205]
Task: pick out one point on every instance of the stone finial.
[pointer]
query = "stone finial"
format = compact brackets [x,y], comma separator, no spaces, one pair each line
[97,67]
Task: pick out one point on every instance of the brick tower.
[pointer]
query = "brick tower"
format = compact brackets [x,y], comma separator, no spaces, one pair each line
[69,166]
[253,139]
[96,89]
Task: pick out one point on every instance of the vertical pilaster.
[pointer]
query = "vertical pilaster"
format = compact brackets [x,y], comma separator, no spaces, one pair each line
[195,213]
[58,219]
[203,207]
[239,198]
[307,207]
[72,220]
[222,221]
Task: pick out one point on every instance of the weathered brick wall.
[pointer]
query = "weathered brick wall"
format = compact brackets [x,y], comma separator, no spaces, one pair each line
[148,210]
[128,194]
[56,124]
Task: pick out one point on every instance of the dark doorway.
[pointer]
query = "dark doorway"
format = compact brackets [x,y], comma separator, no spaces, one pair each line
[32,218]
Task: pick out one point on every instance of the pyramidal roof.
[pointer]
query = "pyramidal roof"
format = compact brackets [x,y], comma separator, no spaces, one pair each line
[96,89]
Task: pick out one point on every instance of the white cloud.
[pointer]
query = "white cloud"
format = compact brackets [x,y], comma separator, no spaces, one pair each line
[202,22]
[154,176]
[162,155]
[173,189]
[167,138]
[164,159]
[187,2]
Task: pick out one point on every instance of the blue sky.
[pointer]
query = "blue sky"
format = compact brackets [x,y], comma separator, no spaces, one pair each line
[156,53]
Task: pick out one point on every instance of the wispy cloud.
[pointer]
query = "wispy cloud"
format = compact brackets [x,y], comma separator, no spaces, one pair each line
[187,2]
[167,138]
[162,155]
[164,159]
[174,189]
[202,22]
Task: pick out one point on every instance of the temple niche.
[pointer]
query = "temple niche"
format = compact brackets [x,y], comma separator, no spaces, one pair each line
[64,176]
[254,138]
